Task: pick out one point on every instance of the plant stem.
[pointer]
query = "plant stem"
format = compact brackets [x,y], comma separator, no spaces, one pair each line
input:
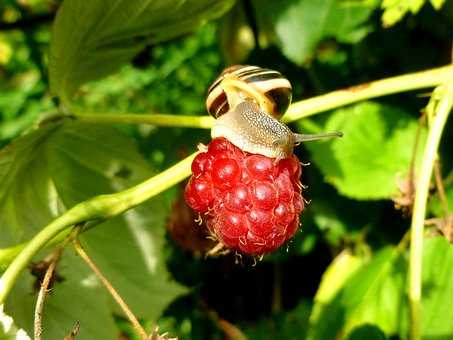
[39,308]
[301,109]
[116,296]
[98,207]
[201,122]
[443,108]
[407,82]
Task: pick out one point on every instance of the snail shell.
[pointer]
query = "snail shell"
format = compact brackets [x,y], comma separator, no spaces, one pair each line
[247,102]
[269,83]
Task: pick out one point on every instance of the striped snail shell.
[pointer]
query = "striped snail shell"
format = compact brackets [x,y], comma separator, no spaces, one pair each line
[247,102]
[269,83]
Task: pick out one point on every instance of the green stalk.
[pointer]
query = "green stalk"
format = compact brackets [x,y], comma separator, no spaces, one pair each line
[378,88]
[301,109]
[442,111]
[201,122]
[97,208]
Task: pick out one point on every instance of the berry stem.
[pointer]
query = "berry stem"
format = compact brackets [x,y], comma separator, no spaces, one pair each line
[442,99]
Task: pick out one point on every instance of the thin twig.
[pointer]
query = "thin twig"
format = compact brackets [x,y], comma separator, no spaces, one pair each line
[74,332]
[39,308]
[405,200]
[116,296]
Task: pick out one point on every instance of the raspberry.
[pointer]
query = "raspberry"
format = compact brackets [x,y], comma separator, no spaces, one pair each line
[251,204]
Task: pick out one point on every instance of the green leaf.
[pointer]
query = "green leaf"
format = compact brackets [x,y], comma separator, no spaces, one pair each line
[284,325]
[77,298]
[235,35]
[374,153]
[435,205]
[301,25]
[363,292]
[355,292]
[51,169]
[92,39]
[369,332]
[395,10]
[437,289]
[8,330]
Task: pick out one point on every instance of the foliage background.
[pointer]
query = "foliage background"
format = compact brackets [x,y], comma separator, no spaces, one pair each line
[343,275]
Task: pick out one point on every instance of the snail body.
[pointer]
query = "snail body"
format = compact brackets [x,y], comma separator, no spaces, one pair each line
[253,130]
[247,102]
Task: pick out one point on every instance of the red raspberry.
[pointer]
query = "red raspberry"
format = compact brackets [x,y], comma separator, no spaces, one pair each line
[251,204]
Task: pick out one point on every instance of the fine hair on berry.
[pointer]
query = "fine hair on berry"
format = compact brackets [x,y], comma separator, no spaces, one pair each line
[251,203]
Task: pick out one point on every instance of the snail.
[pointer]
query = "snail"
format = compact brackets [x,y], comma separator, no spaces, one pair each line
[247,102]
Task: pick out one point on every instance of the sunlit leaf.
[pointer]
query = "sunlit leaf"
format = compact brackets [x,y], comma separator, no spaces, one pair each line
[374,293]
[94,38]
[367,292]
[437,288]
[8,330]
[374,154]
[301,25]
[52,169]
[395,10]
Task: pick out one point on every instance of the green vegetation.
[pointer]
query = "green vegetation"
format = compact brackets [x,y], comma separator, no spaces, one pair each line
[101,110]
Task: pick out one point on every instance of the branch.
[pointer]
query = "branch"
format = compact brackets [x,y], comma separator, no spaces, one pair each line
[200,122]
[43,293]
[116,296]
[301,109]
[97,208]
[378,88]
[443,99]
[45,286]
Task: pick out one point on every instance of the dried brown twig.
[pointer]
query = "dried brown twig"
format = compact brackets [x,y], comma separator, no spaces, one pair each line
[74,332]
[39,308]
[116,296]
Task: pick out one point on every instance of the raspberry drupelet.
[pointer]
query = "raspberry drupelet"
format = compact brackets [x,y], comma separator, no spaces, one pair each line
[251,204]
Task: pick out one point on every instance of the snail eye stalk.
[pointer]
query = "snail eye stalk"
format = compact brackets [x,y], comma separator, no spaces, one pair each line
[300,138]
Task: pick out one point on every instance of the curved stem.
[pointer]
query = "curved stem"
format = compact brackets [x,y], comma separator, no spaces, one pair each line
[201,122]
[99,207]
[442,111]
[332,100]
[301,109]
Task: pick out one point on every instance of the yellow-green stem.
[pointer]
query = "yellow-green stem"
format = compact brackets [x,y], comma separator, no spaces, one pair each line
[99,207]
[201,122]
[300,109]
[443,108]
[378,88]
